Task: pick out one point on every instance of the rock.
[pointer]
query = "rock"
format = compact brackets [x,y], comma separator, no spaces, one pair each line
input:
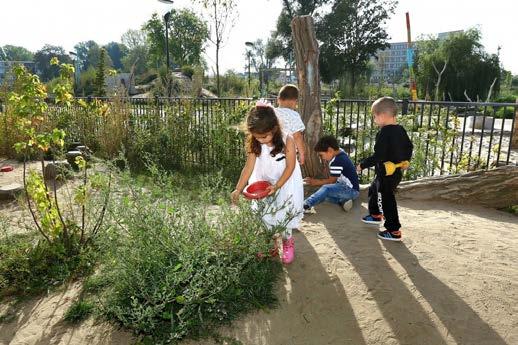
[73,145]
[85,151]
[57,169]
[10,191]
[477,121]
[71,158]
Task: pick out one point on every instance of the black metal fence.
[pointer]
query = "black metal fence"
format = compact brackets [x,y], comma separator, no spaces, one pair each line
[448,137]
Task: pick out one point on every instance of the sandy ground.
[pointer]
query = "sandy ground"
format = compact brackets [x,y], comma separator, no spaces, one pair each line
[453,280]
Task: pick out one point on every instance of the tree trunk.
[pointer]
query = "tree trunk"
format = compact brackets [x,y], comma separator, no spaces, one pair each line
[495,188]
[439,77]
[306,58]
[353,83]
[217,70]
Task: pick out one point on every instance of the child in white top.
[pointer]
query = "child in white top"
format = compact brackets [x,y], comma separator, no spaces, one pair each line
[289,118]
[272,157]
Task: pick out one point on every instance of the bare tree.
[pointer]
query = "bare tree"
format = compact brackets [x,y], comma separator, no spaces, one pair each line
[439,76]
[223,16]
[491,90]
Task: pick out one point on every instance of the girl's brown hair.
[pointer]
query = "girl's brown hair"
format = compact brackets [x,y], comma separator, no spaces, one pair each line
[261,120]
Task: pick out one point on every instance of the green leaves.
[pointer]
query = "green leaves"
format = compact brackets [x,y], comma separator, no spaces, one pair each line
[45,205]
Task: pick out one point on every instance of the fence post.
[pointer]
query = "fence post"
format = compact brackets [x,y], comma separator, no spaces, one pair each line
[514,141]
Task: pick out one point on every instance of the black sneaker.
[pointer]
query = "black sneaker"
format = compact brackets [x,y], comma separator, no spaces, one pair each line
[309,210]
[371,219]
[390,235]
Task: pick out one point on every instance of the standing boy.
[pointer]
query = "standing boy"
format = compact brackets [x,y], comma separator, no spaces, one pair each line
[289,118]
[392,145]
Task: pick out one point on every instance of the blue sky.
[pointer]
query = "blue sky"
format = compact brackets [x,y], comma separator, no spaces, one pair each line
[32,23]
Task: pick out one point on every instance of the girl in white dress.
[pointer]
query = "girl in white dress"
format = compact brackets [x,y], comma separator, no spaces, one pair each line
[271,156]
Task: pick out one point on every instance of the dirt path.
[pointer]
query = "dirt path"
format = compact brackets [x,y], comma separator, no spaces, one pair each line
[452,281]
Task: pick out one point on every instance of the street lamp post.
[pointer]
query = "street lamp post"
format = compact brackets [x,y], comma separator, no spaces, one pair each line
[76,70]
[167,16]
[261,78]
[249,54]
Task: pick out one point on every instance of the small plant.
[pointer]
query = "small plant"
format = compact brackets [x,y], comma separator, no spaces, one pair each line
[79,311]
[64,245]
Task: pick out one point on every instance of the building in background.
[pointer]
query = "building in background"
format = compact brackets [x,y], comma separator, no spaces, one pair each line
[389,64]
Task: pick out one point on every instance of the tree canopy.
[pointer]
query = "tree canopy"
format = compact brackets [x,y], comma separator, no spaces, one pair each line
[469,69]
[351,33]
[42,60]
[15,53]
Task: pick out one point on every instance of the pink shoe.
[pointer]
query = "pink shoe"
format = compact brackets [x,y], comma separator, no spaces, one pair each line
[288,250]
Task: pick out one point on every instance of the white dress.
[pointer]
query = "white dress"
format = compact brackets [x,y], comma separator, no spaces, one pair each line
[291,194]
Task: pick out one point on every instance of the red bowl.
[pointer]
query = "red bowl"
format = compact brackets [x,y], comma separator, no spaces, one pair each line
[257,190]
[6,168]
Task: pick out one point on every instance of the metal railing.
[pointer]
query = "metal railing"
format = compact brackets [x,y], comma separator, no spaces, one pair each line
[448,137]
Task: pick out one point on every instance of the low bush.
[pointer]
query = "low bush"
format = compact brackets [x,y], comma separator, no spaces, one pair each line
[177,268]
[29,265]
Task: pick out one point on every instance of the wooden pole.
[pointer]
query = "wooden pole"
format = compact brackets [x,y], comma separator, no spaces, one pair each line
[410,60]
[306,58]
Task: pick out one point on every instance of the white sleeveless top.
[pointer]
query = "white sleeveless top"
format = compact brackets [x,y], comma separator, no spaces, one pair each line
[291,194]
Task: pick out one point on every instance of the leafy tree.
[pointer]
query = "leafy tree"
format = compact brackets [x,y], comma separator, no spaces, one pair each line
[188,35]
[84,51]
[116,51]
[469,71]
[100,75]
[88,54]
[261,58]
[87,82]
[15,53]
[351,33]
[42,60]
[133,38]
[222,15]
[135,61]
[281,41]
[154,29]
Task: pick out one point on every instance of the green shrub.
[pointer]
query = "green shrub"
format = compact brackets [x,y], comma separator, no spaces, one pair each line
[79,311]
[505,112]
[188,71]
[29,265]
[177,269]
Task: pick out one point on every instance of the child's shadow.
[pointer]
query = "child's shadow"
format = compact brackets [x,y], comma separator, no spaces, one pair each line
[313,308]
[462,322]
[409,322]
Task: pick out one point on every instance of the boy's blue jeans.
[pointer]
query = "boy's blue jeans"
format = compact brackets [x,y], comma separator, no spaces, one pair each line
[336,193]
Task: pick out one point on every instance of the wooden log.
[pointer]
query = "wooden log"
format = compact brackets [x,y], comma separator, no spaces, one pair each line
[496,188]
[306,57]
